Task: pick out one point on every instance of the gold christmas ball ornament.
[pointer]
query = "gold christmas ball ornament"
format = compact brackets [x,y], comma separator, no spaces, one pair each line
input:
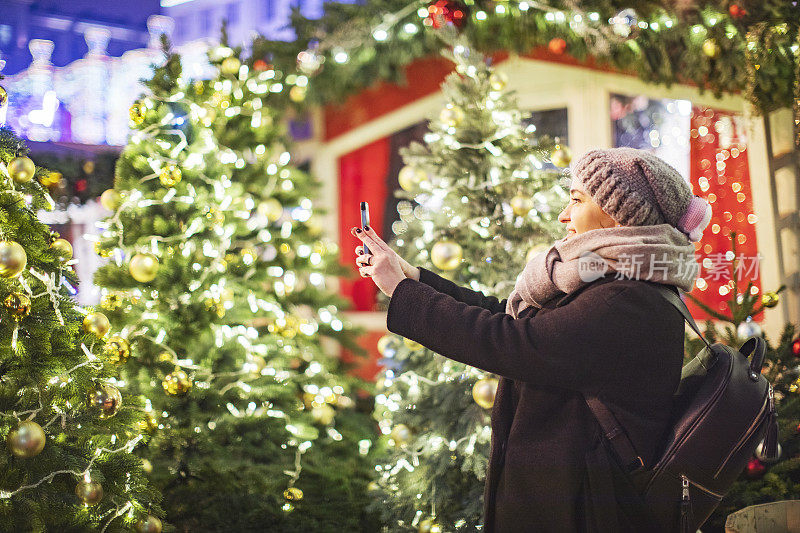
[413,345]
[270,208]
[169,175]
[137,113]
[18,305]
[176,383]
[498,80]
[388,343]
[21,169]
[446,255]
[51,179]
[323,414]
[230,66]
[151,524]
[96,323]
[483,392]
[293,494]
[409,177]
[711,48]
[297,93]
[62,248]
[561,156]
[147,466]
[26,440]
[452,116]
[110,199]
[12,259]
[521,204]
[104,400]
[117,349]
[89,492]
[770,299]
[3,96]
[429,526]
[400,434]
[143,267]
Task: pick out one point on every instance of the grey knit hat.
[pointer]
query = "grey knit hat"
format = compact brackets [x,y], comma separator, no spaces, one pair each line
[637,188]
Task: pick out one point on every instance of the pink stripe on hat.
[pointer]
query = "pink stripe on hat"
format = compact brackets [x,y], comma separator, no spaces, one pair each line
[696,218]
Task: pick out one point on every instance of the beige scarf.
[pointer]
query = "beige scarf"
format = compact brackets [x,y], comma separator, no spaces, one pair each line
[659,253]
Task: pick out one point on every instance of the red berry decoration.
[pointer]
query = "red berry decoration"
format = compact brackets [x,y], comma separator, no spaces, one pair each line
[737,11]
[755,468]
[443,12]
[260,65]
[796,347]
[557,45]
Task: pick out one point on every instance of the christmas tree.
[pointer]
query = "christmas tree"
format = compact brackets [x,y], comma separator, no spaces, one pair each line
[217,277]
[484,200]
[763,480]
[68,430]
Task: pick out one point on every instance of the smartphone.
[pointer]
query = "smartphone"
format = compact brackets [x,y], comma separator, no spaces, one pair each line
[365,220]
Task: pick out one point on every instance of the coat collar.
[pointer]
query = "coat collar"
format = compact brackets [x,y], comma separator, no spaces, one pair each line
[565,299]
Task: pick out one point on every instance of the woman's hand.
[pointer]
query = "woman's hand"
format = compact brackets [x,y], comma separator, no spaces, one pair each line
[383,264]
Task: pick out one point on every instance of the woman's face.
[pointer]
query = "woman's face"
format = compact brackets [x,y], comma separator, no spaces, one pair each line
[582,214]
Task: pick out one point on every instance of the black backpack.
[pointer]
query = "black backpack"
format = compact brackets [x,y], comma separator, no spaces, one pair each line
[722,409]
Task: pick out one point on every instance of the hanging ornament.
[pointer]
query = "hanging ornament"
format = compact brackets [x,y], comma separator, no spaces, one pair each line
[484,391]
[110,199]
[625,23]
[96,323]
[297,93]
[748,329]
[451,115]
[711,48]
[293,494]
[770,299]
[260,65]
[151,524]
[51,180]
[442,12]
[177,383]
[412,345]
[117,349]
[104,400]
[557,46]
[498,80]
[270,208]
[3,97]
[410,177]
[400,434]
[169,175]
[137,113]
[796,347]
[148,424]
[18,305]
[12,259]
[62,248]
[323,414]
[143,267]
[561,156]
[89,492]
[21,169]
[26,440]
[764,459]
[737,11]
[521,204]
[388,345]
[446,255]
[230,66]
[755,468]
[535,250]
[428,525]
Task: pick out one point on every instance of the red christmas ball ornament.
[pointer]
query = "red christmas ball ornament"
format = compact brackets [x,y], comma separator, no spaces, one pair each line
[443,12]
[755,468]
[737,11]
[260,65]
[557,45]
[796,347]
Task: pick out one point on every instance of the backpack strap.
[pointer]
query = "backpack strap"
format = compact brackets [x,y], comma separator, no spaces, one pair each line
[679,304]
[613,431]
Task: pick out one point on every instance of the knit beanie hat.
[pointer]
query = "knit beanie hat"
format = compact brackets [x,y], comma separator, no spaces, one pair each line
[637,188]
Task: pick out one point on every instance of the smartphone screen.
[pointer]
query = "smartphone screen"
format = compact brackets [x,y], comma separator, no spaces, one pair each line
[365,220]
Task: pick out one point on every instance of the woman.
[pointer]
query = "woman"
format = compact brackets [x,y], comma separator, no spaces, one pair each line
[566,332]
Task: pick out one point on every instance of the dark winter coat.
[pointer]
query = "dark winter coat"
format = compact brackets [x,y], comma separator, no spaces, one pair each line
[548,468]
